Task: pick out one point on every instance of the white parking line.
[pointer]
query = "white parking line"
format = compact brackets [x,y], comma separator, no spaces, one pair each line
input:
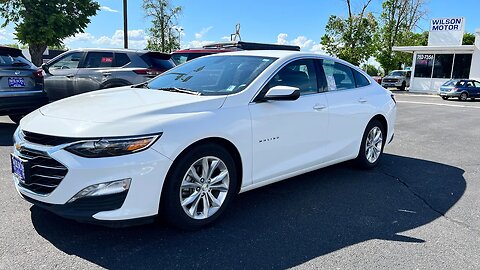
[438,104]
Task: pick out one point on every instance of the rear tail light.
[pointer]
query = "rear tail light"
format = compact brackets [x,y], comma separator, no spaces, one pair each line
[393,98]
[455,89]
[148,71]
[38,73]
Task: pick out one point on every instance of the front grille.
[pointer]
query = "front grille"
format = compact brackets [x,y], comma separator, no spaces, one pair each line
[44,173]
[390,80]
[46,139]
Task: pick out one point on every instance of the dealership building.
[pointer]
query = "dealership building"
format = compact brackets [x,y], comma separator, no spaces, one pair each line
[444,57]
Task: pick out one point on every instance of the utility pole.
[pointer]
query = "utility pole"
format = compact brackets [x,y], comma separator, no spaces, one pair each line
[125,25]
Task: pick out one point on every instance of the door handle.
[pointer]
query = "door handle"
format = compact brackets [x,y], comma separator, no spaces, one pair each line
[319,107]
[362,100]
[106,74]
[70,76]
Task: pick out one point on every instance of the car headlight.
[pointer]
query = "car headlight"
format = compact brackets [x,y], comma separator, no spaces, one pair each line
[109,147]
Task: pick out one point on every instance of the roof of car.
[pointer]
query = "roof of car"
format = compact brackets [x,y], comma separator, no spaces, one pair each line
[114,50]
[278,54]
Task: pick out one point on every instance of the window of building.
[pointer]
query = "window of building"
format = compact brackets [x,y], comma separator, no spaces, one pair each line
[423,66]
[339,77]
[442,67]
[461,66]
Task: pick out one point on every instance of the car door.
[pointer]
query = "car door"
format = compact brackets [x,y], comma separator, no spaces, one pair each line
[349,108]
[60,82]
[289,135]
[95,70]
[477,88]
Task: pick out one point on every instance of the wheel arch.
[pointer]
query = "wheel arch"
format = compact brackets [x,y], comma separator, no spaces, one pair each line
[114,83]
[228,145]
[382,120]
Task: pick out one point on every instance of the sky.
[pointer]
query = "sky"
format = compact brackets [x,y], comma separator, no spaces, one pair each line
[300,22]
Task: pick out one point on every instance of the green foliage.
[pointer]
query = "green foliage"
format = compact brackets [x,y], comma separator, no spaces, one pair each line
[350,39]
[371,70]
[398,18]
[42,23]
[468,39]
[163,36]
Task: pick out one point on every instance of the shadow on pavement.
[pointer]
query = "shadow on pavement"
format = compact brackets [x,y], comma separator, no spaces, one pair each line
[6,133]
[281,225]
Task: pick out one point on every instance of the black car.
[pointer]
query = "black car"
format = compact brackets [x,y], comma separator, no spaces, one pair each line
[462,89]
[21,85]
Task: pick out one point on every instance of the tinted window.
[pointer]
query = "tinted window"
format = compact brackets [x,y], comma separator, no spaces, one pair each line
[300,74]
[98,60]
[121,59]
[67,62]
[159,61]
[423,66]
[461,66]
[397,73]
[12,58]
[442,67]
[180,58]
[216,75]
[360,80]
[339,76]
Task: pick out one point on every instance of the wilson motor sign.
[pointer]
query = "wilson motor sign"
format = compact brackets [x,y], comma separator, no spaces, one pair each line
[446,31]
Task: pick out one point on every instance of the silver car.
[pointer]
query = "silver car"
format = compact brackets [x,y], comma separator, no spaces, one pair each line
[84,70]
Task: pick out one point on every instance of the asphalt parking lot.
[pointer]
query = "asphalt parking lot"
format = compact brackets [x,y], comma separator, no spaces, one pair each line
[418,210]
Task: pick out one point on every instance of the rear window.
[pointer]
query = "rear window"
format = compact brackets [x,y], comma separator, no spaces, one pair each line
[158,61]
[180,58]
[12,58]
[121,59]
[450,83]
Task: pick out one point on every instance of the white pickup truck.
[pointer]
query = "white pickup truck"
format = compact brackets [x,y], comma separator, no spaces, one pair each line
[399,79]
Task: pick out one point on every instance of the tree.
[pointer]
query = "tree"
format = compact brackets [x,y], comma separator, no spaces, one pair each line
[352,38]
[468,39]
[164,18]
[371,70]
[398,20]
[42,23]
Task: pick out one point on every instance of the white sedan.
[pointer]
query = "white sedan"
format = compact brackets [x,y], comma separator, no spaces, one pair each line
[185,143]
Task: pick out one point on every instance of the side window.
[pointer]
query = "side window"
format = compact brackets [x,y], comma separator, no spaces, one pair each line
[121,59]
[339,76]
[98,60]
[360,80]
[477,84]
[300,74]
[69,61]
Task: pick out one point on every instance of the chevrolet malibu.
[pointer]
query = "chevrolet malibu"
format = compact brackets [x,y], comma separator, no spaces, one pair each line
[185,143]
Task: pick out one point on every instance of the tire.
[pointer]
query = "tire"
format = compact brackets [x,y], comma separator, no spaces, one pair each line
[403,87]
[192,215]
[445,98]
[16,118]
[463,96]
[365,158]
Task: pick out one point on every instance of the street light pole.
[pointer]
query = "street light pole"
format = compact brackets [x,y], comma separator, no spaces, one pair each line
[125,25]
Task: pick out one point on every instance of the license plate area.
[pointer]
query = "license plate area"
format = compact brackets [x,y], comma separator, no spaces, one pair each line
[15,82]
[20,168]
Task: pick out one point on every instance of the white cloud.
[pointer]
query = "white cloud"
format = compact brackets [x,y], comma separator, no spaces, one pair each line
[80,37]
[226,38]
[202,32]
[108,9]
[198,43]
[137,39]
[6,35]
[303,42]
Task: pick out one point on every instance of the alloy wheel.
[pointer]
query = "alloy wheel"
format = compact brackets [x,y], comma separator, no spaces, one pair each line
[463,96]
[204,187]
[373,145]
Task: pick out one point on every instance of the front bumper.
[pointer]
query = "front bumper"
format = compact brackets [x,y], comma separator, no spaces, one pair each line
[391,84]
[147,171]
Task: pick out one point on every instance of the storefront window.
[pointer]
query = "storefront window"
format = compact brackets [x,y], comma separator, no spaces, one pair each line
[442,67]
[423,66]
[461,67]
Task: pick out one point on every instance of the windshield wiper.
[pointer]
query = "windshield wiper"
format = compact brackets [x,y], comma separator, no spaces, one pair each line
[141,85]
[180,90]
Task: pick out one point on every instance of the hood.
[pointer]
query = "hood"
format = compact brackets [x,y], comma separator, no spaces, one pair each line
[128,104]
[123,111]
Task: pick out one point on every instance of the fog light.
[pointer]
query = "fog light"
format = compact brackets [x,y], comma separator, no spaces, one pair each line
[107,188]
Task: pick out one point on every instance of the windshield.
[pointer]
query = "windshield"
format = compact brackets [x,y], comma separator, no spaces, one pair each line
[216,75]
[397,73]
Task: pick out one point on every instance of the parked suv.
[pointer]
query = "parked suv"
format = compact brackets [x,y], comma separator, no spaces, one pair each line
[397,78]
[84,70]
[21,84]
[182,56]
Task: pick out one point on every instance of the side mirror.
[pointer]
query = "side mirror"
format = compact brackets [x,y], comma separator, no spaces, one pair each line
[45,68]
[282,93]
